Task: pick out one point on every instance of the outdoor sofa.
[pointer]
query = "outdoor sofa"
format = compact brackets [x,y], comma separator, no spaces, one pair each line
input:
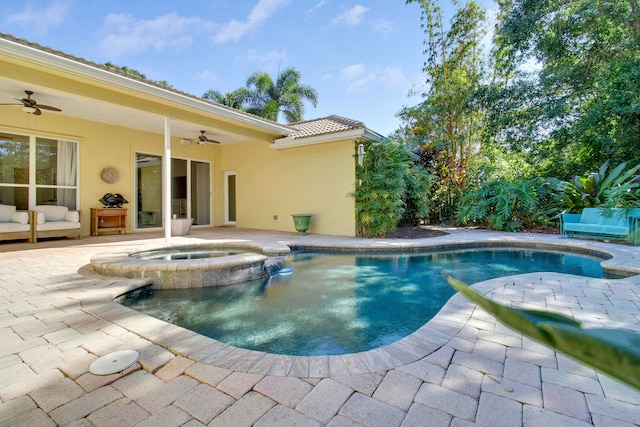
[618,223]
[55,221]
[14,224]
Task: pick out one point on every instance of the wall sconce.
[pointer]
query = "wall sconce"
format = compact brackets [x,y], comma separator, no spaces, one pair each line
[185,142]
[360,154]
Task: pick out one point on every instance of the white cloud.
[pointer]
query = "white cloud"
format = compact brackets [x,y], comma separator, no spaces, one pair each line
[125,34]
[351,72]
[41,21]
[316,7]
[207,76]
[350,17]
[234,30]
[269,59]
[392,77]
[356,78]
[383,26]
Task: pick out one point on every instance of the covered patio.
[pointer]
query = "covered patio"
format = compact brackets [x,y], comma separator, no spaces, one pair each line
[72,131]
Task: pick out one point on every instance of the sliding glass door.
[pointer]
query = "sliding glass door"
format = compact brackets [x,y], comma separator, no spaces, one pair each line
[200,193]
[190,191]
[148,191]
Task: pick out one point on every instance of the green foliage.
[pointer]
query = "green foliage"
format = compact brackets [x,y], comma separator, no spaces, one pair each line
[565,92]
[615,352]
[388,186]
[134,73]
[614,189]
[447,125]
[493,163]
[235,99]
[417,197]
[267,98]
[503,205]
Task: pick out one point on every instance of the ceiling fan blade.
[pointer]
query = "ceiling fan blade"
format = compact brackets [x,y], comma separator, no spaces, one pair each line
[28,102]
[47,107]
[203,138]
[6,103]
[37,112]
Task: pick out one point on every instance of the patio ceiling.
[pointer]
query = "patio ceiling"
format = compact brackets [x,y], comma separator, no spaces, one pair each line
[98,111]
[219,122]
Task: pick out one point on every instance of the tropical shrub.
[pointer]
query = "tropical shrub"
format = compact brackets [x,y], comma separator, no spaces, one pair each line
[390,186]
[503,205]
[615,189]
[417,198]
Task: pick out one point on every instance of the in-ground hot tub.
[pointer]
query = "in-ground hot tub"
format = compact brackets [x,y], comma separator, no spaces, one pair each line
[192,266]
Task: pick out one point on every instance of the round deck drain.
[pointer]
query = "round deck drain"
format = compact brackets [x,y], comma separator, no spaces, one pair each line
[114,362]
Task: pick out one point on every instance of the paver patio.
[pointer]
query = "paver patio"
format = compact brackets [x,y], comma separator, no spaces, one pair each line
[461,369]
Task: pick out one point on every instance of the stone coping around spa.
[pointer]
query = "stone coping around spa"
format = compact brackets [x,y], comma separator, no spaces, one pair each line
[185,273]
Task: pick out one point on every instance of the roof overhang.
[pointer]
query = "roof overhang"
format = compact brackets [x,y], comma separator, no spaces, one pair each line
[353,135]
[76,105]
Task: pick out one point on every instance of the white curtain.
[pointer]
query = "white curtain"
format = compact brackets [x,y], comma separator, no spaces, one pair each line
[67,173]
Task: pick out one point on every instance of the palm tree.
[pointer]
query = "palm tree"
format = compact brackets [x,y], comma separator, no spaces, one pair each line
[267,99]
[235,99]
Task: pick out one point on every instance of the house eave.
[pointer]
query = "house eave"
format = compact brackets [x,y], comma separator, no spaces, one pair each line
[354,135]
[42,58]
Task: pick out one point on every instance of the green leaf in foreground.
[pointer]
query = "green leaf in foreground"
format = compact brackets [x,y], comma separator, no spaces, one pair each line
[613,351]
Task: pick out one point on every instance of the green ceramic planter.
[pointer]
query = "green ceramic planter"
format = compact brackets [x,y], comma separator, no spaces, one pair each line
[301,222]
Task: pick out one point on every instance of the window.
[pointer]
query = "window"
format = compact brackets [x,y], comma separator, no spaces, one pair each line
[38,171]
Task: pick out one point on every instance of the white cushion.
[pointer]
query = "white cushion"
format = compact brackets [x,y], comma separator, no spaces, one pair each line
[58,225]
[40,218]
[20,217]
[72,216]
[52,213]
[13,227]
[5,212]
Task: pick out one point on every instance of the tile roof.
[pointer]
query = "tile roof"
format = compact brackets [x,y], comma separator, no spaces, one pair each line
[323,126]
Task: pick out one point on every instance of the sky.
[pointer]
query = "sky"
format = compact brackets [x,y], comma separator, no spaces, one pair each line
[362,57]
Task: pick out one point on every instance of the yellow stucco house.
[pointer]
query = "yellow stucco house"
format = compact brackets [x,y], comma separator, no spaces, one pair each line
[119,134]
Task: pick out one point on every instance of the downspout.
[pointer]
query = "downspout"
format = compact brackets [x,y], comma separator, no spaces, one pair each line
[167,180]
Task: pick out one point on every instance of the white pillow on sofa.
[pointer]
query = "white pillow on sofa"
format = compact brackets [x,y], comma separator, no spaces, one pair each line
[72,216]
[5,212]
[40,218]
[52,213]
[20,217]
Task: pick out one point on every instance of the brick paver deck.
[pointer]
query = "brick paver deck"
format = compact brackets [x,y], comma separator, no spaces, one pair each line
[461,369]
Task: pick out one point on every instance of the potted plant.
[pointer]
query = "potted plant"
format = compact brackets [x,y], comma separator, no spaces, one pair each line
[301,222]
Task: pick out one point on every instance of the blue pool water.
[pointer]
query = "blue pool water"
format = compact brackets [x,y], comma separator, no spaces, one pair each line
[343,303]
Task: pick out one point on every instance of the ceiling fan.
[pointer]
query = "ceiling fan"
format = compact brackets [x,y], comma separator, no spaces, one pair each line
[31,106]
[202,139]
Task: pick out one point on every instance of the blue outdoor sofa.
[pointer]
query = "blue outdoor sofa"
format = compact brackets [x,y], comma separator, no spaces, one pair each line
[602,223]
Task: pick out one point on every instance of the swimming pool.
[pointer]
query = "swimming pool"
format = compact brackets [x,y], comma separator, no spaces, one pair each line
[336,303]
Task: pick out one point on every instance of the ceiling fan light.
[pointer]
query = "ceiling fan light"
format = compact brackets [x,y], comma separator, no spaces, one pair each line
[29,110]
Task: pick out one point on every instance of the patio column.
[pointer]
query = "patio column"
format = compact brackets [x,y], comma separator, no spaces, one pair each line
[167,180]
